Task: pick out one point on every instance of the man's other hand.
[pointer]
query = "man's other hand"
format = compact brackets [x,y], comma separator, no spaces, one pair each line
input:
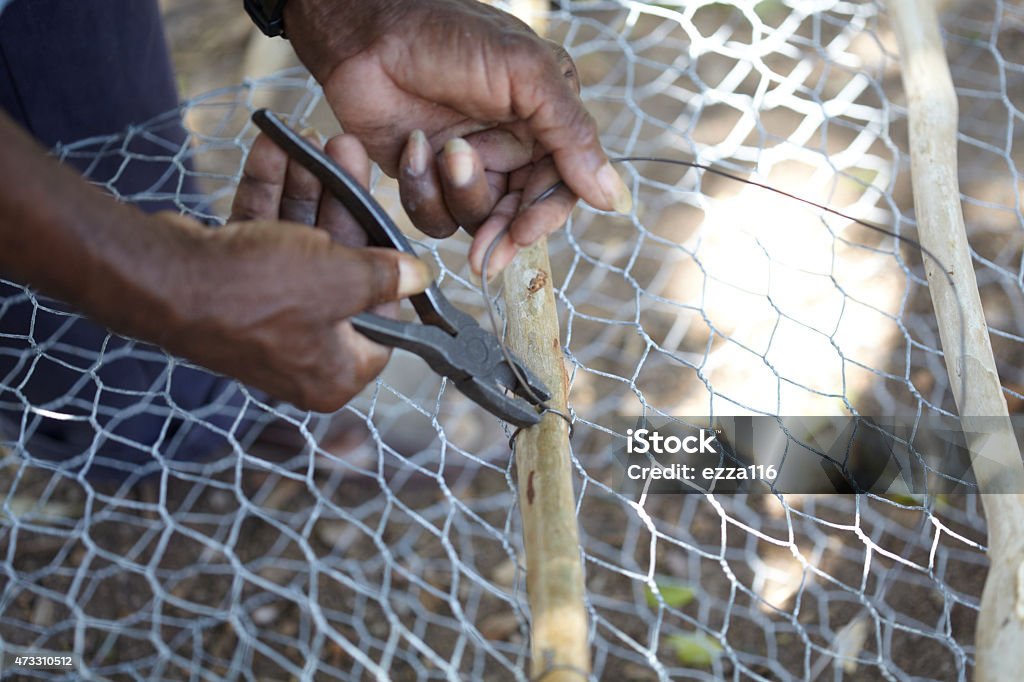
[473,112]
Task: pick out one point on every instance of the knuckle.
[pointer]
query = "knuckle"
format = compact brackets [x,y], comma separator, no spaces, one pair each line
[580,124]
[370,278]
[565,63]
[581,119]
[528,54]
[375,277]
[521,44]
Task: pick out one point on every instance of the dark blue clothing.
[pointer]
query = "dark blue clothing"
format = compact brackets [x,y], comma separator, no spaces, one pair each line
[70,391]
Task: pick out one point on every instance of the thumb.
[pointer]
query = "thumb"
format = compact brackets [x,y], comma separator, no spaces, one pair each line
[366,277]
[544,97]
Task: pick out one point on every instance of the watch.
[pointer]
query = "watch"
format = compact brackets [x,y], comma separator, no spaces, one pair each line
[267,15]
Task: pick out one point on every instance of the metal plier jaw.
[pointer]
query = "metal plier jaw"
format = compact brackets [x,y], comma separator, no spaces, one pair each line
[451,342]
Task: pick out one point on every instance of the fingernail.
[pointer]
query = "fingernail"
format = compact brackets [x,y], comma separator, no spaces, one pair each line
[615,190]
[418,152]
[413,276]
[460,161]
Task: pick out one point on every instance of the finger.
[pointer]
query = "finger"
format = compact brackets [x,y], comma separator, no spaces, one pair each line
[300,199]
[467,194]
[503,149]
[258,196]
[420,189]
[333,216]
[547,204]
[544,217]
[500,218]
[358,279]
[543,96]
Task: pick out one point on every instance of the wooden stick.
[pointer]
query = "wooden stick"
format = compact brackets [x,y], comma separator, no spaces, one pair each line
[554,575]
[995,456]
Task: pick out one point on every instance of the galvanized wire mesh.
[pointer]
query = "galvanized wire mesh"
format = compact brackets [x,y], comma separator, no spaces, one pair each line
[384,541]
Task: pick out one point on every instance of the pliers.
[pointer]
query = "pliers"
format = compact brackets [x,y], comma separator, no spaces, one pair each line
[451,341]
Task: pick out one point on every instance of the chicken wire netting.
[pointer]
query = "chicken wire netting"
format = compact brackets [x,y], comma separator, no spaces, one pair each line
[384,541]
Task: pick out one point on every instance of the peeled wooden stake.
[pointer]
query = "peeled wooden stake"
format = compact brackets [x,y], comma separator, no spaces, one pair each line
[995,455]
[554,575]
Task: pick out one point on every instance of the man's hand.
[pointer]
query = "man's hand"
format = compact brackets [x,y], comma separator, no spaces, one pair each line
[471,110]
[272,295]
[264,300]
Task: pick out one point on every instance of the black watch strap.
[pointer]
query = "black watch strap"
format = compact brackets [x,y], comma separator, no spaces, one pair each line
[267,15]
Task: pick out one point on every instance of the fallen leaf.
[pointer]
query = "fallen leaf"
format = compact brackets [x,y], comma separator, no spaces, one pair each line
[675,593]
[697,649]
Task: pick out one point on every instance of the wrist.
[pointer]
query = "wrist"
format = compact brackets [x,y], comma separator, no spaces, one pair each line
[143,285]
[74,243]
[324,33]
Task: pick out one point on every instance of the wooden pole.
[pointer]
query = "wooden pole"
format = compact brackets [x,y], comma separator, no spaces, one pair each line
[995,456]
[554,574]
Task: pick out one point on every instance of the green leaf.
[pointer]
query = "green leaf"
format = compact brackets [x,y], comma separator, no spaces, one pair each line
[697,650]
[676,594]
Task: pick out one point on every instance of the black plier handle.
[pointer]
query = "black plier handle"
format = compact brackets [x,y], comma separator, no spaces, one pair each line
[451,341]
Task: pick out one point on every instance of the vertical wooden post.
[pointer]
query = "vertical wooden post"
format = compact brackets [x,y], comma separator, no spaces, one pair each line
[554,574]
[995,456]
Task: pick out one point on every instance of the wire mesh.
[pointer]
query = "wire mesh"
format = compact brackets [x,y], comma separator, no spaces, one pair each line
[384,541]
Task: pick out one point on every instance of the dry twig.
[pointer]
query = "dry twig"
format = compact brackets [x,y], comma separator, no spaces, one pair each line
[554,574]
[995,456]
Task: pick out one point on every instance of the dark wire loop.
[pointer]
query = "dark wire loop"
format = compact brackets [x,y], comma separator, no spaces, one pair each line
[545,410]
[925,253]
[536,399]
[551,668]
[501,336]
